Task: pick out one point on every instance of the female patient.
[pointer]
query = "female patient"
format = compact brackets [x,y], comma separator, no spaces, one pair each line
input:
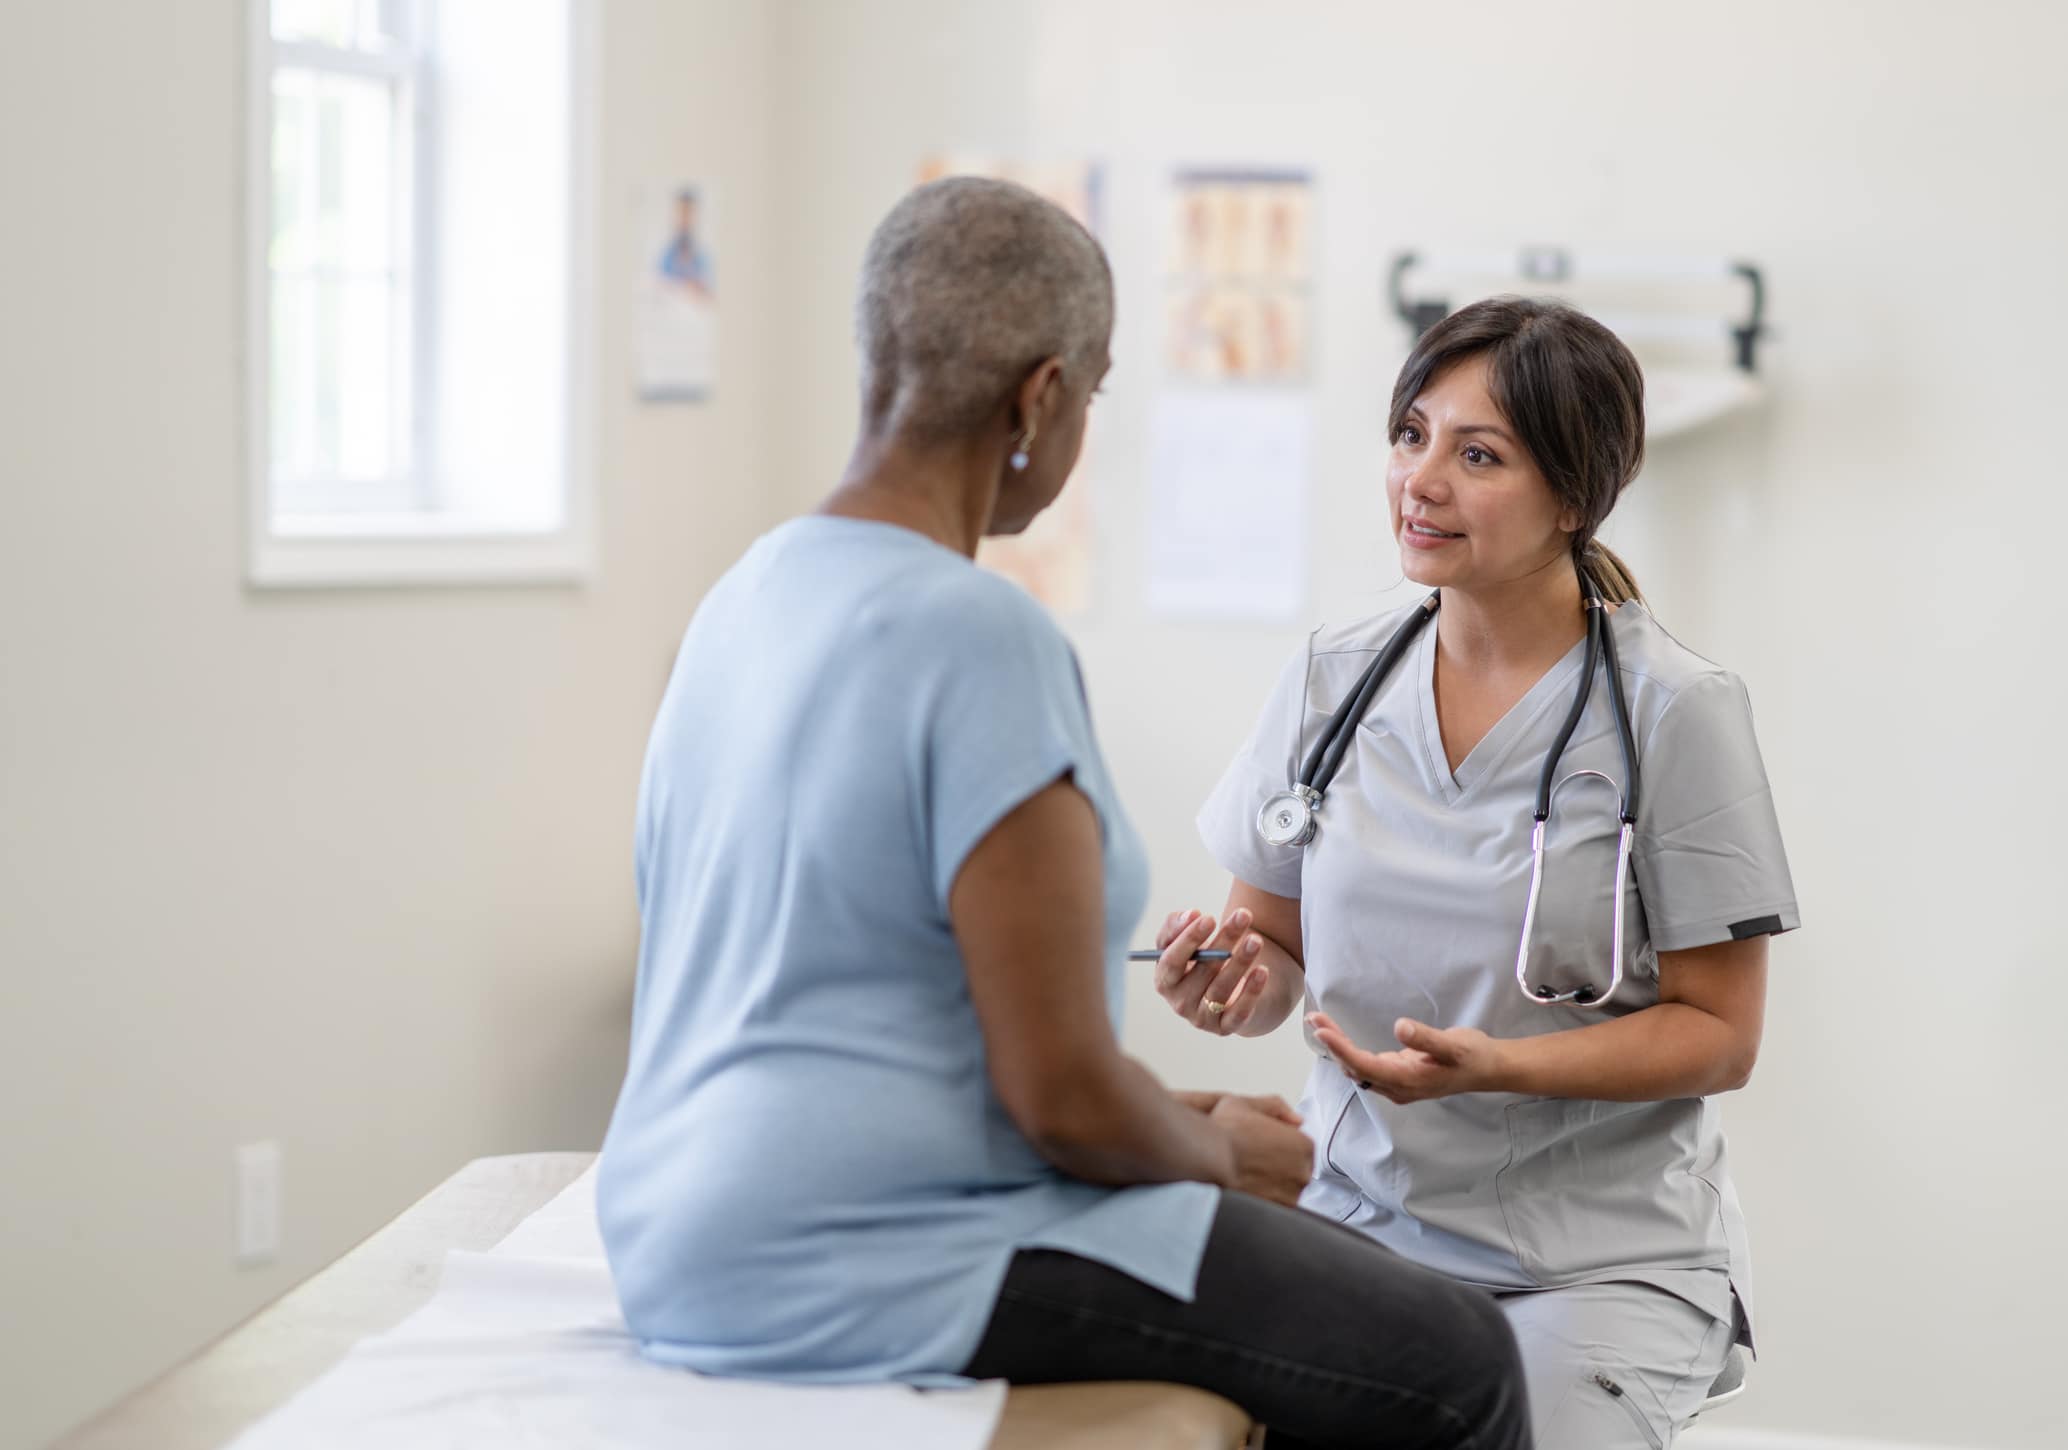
[876,1123]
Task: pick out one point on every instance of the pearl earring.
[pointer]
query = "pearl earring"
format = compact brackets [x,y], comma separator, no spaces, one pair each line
[1019,459]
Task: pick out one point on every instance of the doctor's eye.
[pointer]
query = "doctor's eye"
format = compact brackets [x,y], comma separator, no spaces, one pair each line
[1409,434]
[1476,454]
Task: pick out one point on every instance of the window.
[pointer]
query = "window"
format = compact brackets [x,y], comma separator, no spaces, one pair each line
[419,224]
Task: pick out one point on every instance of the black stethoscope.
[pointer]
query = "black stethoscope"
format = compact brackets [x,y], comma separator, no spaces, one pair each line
[1289,818]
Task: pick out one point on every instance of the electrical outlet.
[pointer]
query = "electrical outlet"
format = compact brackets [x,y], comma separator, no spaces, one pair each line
[258,1203]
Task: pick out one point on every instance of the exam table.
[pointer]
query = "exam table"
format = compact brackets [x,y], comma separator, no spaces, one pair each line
[206,1401]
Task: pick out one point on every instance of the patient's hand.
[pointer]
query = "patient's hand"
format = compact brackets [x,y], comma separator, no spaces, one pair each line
[1273,1159]
[1270,1104]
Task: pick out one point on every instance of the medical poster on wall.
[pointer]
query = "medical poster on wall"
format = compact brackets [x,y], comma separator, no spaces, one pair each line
[1231,441]
[1238,279]
[676,296]
[1052,559]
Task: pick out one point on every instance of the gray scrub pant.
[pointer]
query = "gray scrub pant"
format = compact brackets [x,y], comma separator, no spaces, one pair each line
[1614,1366]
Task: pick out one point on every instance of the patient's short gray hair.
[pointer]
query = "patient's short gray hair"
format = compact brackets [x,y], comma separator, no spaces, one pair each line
[967,285]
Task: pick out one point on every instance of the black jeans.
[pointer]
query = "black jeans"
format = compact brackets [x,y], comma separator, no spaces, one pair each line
[1327,1338]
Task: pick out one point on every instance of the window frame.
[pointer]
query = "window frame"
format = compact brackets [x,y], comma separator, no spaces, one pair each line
[419,545]
[411,489]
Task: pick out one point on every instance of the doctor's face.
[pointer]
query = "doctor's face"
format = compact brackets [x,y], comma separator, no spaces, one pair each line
[1468,506]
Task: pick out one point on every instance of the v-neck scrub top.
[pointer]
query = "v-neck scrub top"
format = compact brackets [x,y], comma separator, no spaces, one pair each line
[1411,901]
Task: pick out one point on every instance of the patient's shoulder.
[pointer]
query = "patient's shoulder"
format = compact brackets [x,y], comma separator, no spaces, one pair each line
[961,615]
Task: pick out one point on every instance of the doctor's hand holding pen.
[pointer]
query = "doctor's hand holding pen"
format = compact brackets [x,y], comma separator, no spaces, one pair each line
[1241,979]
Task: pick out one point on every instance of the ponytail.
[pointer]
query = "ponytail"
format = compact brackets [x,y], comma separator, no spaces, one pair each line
[1611,577]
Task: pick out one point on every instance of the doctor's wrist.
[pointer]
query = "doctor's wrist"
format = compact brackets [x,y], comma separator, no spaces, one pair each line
[1513,1065]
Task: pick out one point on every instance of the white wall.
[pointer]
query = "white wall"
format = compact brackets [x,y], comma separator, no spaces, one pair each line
[1869,553]
[351,870]
[348,870]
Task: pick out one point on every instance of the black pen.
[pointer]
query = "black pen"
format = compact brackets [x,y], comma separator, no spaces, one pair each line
[1150,954]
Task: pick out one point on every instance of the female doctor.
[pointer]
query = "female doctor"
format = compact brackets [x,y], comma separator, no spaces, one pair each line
[1513,1104]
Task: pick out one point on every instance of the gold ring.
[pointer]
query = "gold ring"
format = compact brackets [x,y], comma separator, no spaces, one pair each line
[1215,1009]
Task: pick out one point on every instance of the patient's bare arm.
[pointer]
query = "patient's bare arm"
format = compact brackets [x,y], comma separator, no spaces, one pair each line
[1028,912]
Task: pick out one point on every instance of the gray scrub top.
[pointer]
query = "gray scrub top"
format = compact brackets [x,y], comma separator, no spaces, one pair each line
[1411,901]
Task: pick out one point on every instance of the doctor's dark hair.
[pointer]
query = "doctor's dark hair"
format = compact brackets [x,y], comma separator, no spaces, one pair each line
[1573,394]
[967,286]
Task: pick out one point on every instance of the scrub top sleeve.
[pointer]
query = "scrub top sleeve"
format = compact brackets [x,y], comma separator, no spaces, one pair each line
[1007,719]
[1266,765]
[1708,855]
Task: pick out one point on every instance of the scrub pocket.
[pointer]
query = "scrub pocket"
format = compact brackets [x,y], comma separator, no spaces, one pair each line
[1591,1187]
[1608,1410]
[1332,1193]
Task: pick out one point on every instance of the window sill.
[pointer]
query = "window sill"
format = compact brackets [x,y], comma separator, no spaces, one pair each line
[388,553]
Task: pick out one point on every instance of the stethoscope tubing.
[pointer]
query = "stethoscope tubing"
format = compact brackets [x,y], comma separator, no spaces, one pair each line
[1318,771]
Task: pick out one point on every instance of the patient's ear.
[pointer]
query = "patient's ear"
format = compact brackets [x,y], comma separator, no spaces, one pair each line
[1040,396]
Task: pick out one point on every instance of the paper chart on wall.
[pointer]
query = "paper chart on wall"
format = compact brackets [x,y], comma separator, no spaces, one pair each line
[1228,487]
[676,326]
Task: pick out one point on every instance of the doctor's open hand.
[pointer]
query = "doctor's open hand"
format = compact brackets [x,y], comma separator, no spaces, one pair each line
[1430,1062]
[1218,997]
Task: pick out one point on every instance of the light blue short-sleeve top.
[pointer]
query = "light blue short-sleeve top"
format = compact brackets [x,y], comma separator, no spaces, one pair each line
[808,1175]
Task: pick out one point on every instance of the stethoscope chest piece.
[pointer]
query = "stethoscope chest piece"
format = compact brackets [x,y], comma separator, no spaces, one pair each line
[1287,818]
